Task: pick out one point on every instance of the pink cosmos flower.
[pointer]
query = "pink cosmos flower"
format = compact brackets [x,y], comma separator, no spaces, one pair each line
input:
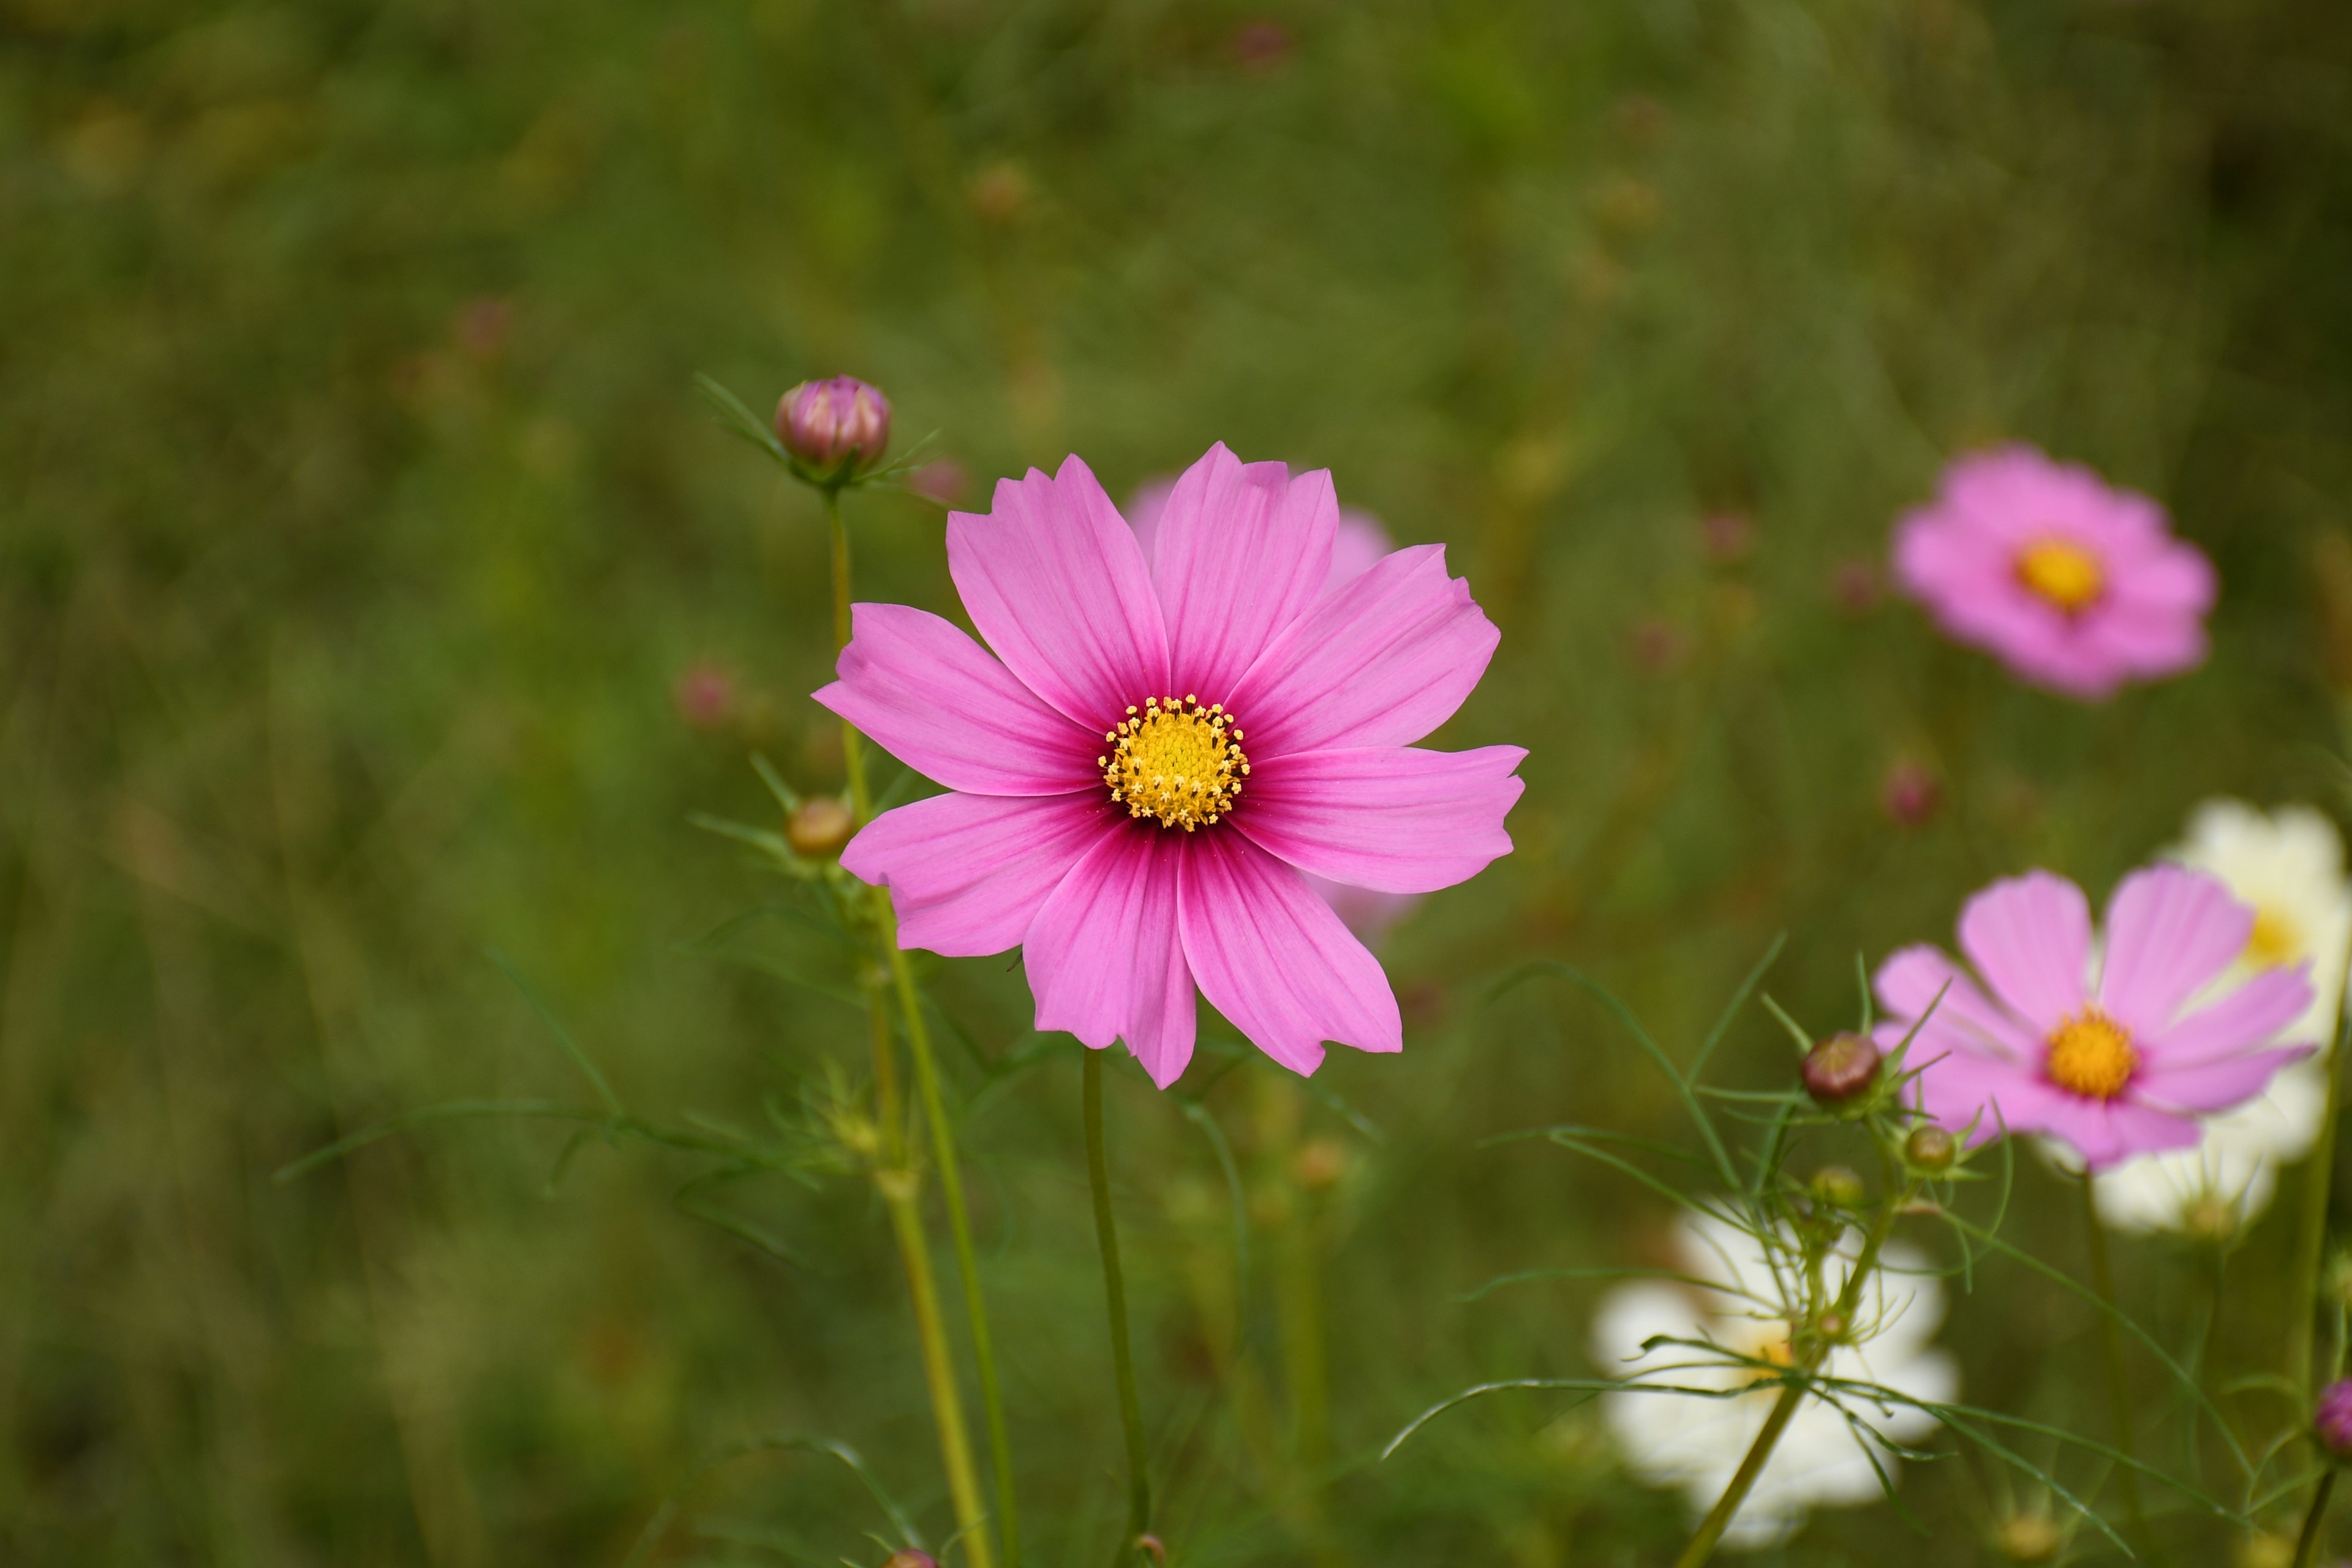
[1104,814]
[2075,586]
[1361,540]
[2104,1052]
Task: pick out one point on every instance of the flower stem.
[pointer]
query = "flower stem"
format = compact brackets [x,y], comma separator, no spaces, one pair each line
[1130,1411]
[943,1149]
[853,757]
[897,1181]
[2111,1348]
[2307,1545]
[2311,1231]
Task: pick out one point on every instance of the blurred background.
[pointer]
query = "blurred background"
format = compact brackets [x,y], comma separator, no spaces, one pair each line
[376,596]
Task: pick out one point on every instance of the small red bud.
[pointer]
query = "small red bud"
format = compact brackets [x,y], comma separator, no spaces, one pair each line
[1840,1069]
[2331,1419]
[1910,794]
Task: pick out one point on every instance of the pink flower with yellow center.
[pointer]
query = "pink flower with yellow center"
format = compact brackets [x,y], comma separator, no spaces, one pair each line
[1166,743]
[2105,1053]
[2075,585]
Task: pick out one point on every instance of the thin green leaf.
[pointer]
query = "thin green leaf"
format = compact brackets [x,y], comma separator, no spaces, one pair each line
[563,1035]
[769,1442]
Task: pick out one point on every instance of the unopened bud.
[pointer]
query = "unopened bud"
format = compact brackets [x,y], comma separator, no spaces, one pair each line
[835,428]
[908,1557]
[818,828]
[2331,1420]
[1151,1546]
[1930,1149]
[1833,1326]
[2027,1538]
[1840,1069]
[1910,794]
[1318,1165]
[1839,1187]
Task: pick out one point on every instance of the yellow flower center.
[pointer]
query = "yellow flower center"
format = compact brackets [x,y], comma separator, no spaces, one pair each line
[2068,575]
[2092,1055]
[1177,762]
[2274,940]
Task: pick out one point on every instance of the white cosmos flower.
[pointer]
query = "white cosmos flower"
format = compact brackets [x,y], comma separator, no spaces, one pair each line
[1695,1442]
[2289,865]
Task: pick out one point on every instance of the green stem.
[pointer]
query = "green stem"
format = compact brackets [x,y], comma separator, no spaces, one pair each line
[1792,1388]
[1130,1411]
[2111,1349]
[897,1181]
[2311,1230]
[2307,1545]
[943,1149]
[853,756]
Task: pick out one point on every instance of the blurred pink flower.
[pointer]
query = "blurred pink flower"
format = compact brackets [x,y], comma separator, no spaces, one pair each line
[2104,1055]
[1102,814]
[1910,794]
[1361,540]
[942,480]
[705,696]
[2075,585]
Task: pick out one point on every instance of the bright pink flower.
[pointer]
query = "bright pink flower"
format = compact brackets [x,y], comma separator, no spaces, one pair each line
[2075,586]
[1104,816]
[2107,1054]
[1361,540]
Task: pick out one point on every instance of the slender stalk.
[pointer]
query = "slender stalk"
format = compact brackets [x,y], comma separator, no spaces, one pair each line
[1131,1410]
[1792,1388]
[853,755]
[897,1181]
[918,1041]
[2311,1230]
[2307,1545]
[943,1151]
[2111,1349]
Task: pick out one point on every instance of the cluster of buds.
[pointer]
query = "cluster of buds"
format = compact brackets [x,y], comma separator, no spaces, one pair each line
[835,430]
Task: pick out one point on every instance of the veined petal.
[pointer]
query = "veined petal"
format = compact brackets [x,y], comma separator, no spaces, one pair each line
[2251,1015]
[2029,937]
[1056,583]
[969,872]
[1239,550]
[2169,931]
[932,697]
[2217,1084]
[1910,982]
[1396,820]
[1104,958]
[1380,660]
[1275,960]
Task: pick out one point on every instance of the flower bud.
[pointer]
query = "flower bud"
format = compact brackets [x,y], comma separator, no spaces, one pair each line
[1839,1187]
[818,828]
[834,428]
[1910,794]
[1840,1069]
[2331,1420]
[2027,1538]
[908,1557]
[1318,1165]
[1930,1149]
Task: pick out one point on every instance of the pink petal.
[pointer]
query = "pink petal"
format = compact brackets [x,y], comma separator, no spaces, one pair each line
[2251,1015]
[1381,662]
[1956,1089]
[1965,1020]
[1275,960]
[1240,550]
[2107,1133]
[2169,931]
[932,697]
[1369,914]
[1361,540]
[968,872]
[2029,937]
[1396,820]
[1103,959]
[2215,1085]
[1055,581]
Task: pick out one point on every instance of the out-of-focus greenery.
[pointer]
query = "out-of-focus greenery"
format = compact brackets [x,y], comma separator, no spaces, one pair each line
[358,524]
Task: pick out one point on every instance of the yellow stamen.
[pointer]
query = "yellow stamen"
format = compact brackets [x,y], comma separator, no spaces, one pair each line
[2274,941]
[1176,762]
[2092,1055]
[2068,575]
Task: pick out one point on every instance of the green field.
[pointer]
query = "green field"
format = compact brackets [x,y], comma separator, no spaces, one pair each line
[359,520]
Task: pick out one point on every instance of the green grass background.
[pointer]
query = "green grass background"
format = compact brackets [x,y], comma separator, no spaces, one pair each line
[357,517]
